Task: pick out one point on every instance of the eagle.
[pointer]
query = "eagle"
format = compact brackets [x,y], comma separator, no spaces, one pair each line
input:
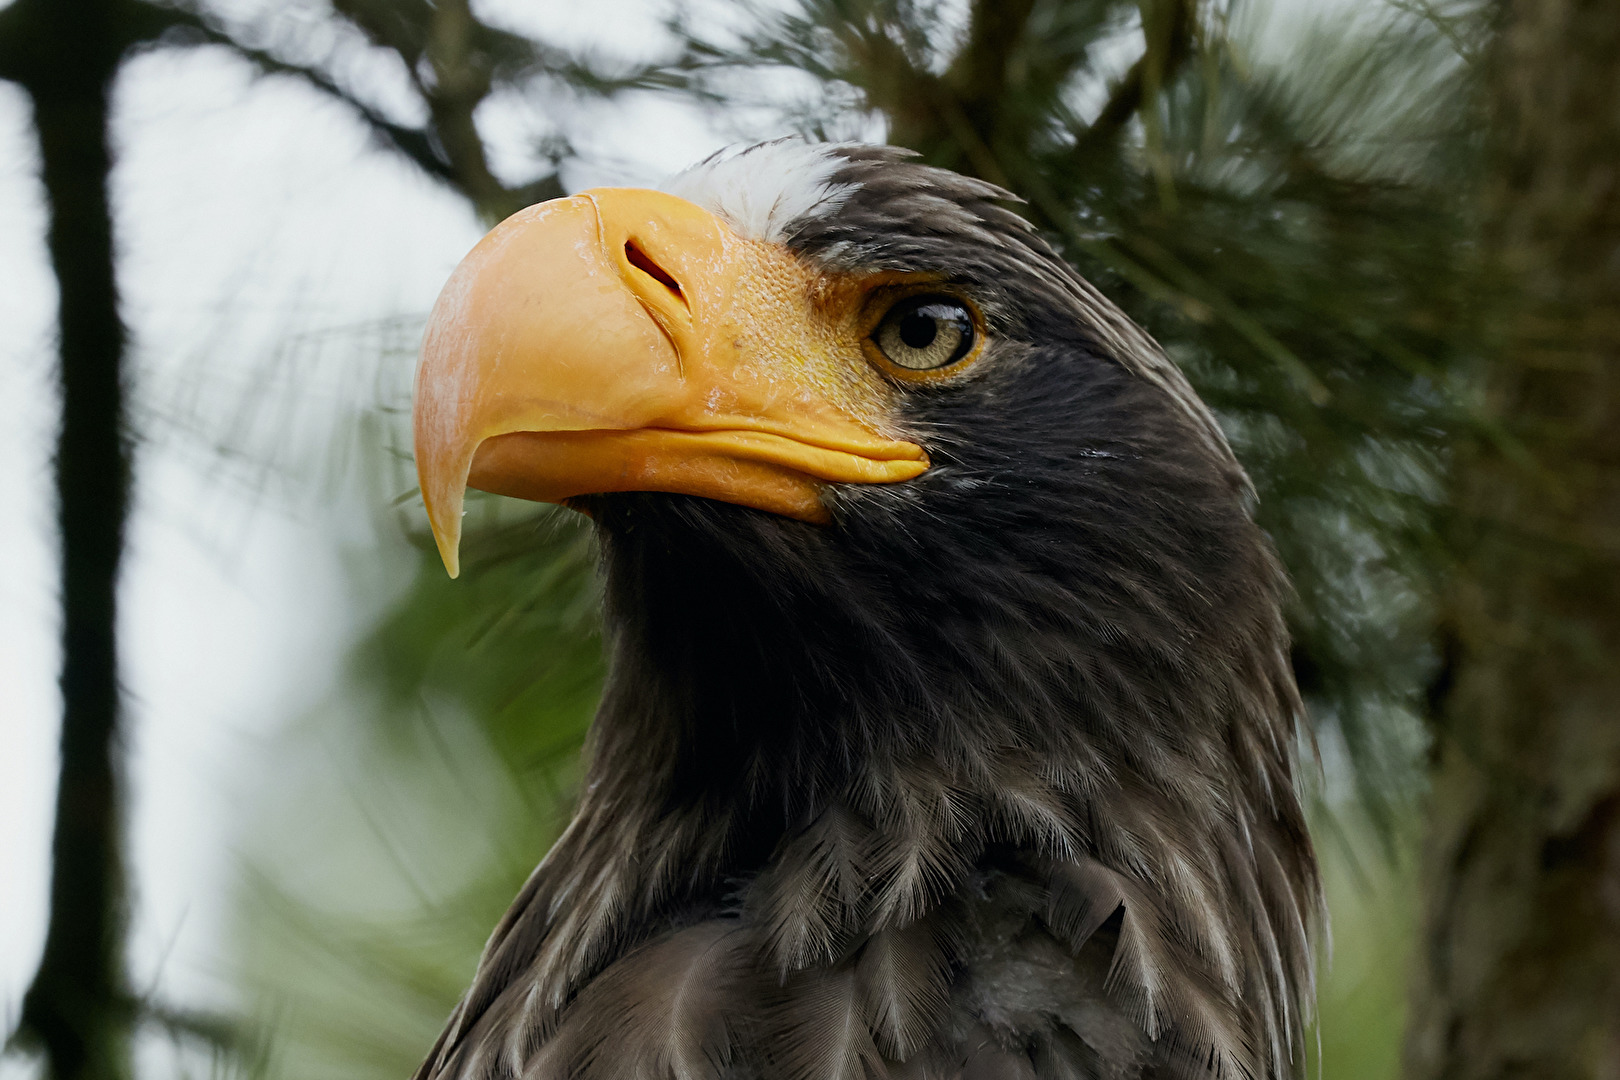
[950,729]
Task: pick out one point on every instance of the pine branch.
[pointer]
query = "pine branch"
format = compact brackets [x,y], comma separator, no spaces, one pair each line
[454,62]
[1163,55]
[979,72]
[415,144]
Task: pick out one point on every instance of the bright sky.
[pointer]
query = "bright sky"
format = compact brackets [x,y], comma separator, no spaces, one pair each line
[261,236]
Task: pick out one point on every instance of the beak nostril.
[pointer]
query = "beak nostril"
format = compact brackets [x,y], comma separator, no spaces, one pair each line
[641,261]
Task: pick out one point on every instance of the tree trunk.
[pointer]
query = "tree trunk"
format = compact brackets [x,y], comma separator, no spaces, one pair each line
[1519,969]
[77,1010]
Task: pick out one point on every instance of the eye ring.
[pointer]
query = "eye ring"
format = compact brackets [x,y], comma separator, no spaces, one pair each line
[925,335]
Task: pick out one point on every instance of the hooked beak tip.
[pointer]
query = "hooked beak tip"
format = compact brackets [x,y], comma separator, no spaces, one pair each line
[444,518]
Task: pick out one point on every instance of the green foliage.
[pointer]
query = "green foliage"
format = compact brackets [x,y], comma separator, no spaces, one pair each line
[1374,901]
[408,813]
[513,644]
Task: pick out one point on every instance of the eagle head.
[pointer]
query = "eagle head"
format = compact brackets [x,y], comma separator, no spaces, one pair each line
[950,729]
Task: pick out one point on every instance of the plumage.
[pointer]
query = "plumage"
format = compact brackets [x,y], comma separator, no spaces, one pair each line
[989,776]
[813,896]
[903,974]
[816,1028]
[668,1009]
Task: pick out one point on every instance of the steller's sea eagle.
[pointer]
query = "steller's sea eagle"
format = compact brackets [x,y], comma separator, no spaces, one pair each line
[950,729]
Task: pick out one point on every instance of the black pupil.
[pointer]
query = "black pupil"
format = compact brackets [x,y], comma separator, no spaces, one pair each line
[918,330]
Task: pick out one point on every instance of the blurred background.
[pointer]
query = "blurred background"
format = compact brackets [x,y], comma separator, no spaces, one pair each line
[1371,231]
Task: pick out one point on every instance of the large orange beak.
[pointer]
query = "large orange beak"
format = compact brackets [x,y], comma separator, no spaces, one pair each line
[627,340]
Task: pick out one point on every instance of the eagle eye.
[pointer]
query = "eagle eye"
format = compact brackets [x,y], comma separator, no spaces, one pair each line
[926,333]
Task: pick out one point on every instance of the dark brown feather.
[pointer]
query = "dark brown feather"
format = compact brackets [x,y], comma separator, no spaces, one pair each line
[815,1029]
[904,979]
[810,900]
[671,1010]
